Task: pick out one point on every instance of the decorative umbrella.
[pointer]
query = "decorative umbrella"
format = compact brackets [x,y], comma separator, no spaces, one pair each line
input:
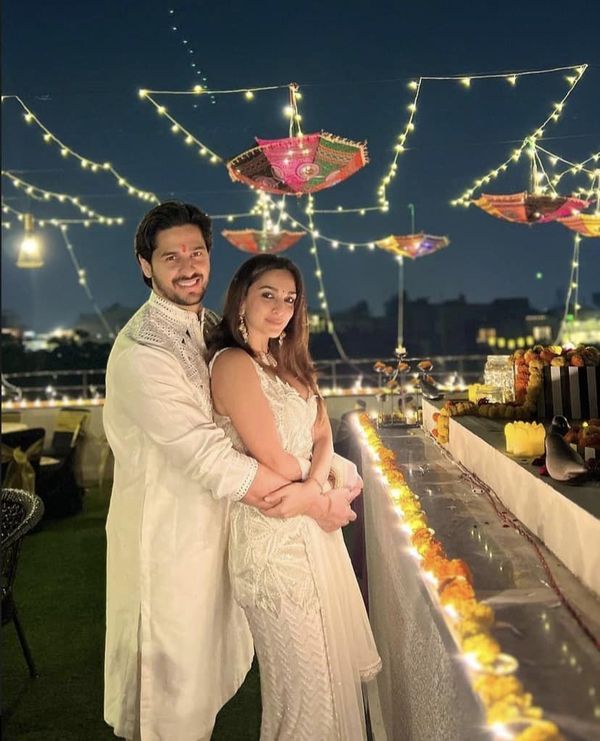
[588,225]
[300,163]
[529,208]
[412,245]
[259,240]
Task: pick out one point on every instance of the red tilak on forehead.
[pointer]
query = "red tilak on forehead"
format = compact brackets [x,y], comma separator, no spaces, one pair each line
[184,247]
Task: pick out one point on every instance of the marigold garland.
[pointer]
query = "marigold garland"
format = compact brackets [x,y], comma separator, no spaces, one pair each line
[503,697]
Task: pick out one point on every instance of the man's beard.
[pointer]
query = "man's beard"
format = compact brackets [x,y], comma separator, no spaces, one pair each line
[171,294]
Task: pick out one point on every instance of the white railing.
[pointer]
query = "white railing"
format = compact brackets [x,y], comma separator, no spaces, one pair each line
[448,370]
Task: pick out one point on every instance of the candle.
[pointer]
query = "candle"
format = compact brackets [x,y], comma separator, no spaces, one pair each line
[525,439]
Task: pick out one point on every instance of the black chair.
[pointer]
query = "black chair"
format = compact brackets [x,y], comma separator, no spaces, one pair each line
[21,511]
[70,427]
[59,486]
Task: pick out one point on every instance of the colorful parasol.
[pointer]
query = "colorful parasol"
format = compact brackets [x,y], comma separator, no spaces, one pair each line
[300,163]
[412,245]
[258,240]
[588,225]
[529,208]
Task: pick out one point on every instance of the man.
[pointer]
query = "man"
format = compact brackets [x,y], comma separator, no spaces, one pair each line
[177,645]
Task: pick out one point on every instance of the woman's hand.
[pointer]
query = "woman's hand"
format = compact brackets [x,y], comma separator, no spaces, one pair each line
[331,510]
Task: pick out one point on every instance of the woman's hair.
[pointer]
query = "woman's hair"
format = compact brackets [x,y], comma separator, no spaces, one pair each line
[293,354]
[164,216]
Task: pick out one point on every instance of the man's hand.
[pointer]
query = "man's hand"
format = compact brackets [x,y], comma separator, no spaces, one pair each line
[331,510]
[292,500]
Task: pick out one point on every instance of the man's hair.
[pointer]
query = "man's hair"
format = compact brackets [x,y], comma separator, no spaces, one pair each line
[164,216]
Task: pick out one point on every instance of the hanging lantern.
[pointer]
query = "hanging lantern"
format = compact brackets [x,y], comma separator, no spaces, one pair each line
[30,249]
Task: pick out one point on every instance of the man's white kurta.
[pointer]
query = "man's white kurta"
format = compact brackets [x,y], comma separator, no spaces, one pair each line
[177,645]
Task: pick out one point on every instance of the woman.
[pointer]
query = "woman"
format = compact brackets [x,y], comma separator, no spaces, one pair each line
[293,580]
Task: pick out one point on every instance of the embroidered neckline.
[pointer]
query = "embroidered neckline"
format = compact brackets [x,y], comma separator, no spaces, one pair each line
[285,383]
[176,313]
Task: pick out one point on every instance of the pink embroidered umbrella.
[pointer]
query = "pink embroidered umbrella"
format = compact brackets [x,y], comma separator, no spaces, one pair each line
[588,225]
[298,164]
[412,245]
[528,208]
[257,240]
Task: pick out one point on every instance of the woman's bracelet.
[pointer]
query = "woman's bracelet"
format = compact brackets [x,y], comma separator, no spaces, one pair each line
[317,482]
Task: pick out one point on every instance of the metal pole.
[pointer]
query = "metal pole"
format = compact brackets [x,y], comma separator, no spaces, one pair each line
[400,335]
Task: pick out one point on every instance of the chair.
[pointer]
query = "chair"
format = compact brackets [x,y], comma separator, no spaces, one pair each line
[21,511]
[59,486]
[70,427]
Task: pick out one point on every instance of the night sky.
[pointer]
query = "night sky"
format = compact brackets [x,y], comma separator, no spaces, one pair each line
[78,66]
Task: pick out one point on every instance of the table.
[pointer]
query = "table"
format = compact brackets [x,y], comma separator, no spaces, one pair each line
[8,427]
[423,688]
[565,517]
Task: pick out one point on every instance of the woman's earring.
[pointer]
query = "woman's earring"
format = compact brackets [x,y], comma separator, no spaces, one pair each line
[243,329]
[281,338]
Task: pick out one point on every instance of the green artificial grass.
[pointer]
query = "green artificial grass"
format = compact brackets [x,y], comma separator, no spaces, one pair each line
[59,592]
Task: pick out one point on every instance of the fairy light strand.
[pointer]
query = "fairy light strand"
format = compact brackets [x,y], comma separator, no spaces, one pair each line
[572,291]
[322,295]
[177,128]
[399,147]
[203,90]
[190,51]
[554,115]
[42,194]
[83,282]
[52,221]
[85,162]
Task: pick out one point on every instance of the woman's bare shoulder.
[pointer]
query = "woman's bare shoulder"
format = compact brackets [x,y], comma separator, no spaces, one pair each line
[232,360]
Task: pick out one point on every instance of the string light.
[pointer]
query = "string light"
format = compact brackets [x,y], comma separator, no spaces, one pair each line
[82,280]
[178,128]
[572,168]
[86,162]
[572,297]
[176,29]
[53,221]
[324,303]
[41,194]
[528,141]
[362,210]
[247,92]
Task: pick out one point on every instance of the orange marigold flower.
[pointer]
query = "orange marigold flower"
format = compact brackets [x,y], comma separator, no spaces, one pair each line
[456,591]
[492,689]
[483,647]
[449,569]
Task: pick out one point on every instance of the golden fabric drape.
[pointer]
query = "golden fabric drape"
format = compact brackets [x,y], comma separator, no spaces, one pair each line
[20,473]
